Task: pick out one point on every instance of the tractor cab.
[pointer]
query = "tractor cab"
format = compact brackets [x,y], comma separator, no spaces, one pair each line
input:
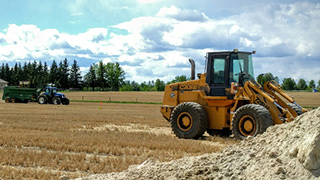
[52,91]
[225,68]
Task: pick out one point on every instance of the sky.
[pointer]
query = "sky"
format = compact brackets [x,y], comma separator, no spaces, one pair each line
[153,39]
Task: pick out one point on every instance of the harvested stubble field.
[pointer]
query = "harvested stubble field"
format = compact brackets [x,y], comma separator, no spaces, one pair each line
[154,97]
[49,141]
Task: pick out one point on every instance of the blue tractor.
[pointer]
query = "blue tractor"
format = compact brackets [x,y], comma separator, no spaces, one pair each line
[51,96]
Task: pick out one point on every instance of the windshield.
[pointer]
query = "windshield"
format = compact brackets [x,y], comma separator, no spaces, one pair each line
[240,62]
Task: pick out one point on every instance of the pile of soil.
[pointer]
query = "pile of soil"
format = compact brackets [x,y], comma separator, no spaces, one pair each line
[287,151]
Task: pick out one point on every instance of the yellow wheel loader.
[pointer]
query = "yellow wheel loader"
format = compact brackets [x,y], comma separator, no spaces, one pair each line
[226,99]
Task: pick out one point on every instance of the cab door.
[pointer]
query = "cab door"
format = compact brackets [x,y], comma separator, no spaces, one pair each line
[217,76]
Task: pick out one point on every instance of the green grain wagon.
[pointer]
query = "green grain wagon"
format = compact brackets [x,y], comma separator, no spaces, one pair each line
[16,94]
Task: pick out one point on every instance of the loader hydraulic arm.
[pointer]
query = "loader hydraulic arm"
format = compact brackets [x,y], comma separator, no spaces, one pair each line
[258,96]
[271,87]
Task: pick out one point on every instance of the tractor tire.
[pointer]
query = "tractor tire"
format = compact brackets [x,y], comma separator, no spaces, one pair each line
[7,100]
[189,120]
[295,108]
[220,133]
[43,99]
[56,101]
[66,101]
[250,120]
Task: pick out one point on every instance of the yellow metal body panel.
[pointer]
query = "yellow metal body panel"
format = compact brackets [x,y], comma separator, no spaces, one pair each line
[218,117]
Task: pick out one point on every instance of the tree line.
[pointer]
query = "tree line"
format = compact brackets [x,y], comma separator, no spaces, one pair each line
[289,83]
[39,74]
[105,77]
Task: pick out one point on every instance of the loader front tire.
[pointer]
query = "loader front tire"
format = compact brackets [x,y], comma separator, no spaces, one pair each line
[250,120]
[189,120]
[295,108]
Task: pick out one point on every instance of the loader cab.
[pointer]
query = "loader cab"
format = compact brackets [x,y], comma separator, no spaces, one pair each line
[224,68]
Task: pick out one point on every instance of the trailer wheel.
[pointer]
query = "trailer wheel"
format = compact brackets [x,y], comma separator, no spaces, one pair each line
[56,100]
[7,100]
[250,120]
[14,100]
[189,120]
[295,108]
[43,99]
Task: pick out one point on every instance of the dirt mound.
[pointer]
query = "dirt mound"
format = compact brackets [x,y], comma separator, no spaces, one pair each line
[288,151]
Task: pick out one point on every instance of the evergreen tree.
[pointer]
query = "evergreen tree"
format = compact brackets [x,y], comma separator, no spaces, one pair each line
[75,75]
[64,73]
[101,75]
[53,75]
[90,78]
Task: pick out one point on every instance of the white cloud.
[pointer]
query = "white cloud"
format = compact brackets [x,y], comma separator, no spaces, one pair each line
[284,35]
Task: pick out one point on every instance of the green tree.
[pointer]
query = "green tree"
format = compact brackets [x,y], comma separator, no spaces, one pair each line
[311,84]
[302,84]
[160,85]
[16,74]
[288,84]
[101,75]
[53,75]
[262,78]
[115,75]
[75,75]
[64,73]
[179,79]
[90,78]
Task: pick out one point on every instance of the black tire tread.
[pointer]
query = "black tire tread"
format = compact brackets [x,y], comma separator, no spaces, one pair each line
[58,100]
[262,116]
[295,108]
[200,115]
[45,99]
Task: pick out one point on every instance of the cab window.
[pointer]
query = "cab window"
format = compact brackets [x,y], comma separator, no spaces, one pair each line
[218,71]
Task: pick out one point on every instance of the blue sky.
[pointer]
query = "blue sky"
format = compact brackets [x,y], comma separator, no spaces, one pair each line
[153,39]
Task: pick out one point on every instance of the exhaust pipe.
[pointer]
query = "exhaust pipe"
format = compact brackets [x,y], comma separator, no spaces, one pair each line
[193,67]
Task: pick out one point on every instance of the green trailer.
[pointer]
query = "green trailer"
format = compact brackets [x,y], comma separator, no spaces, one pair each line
[15,94]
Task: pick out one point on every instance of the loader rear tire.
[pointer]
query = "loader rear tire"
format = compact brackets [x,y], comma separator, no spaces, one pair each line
[250,120]
[295,108]
[189,120]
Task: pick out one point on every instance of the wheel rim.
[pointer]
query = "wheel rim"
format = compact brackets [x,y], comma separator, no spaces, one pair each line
[55,101]
[185,121]
[41,100]
[7,100]
[13,100]
[247,125]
